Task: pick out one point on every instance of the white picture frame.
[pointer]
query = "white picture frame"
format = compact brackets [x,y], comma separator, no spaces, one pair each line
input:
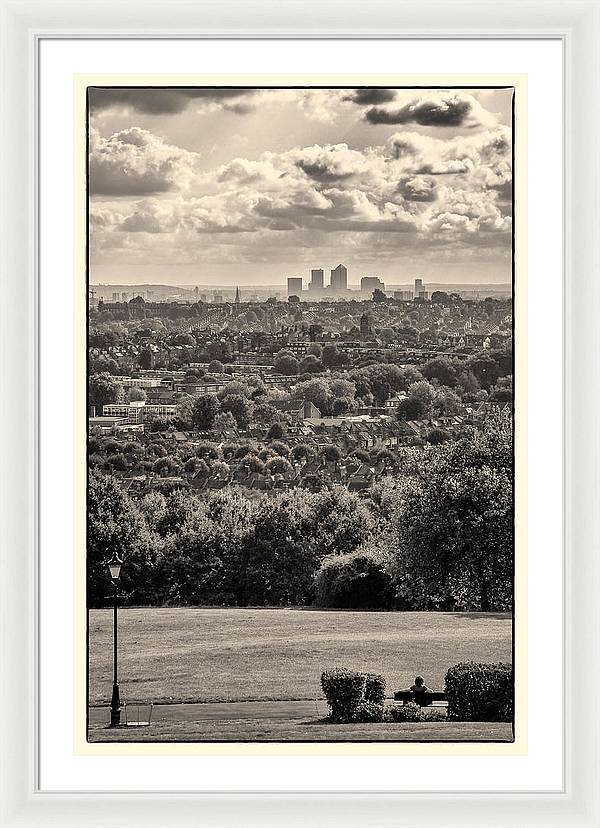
[24,25]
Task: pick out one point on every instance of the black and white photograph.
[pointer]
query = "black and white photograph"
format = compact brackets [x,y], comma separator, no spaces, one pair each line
[301,359]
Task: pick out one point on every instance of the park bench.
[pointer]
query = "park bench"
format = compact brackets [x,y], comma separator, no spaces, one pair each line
[139,721]
[422,699]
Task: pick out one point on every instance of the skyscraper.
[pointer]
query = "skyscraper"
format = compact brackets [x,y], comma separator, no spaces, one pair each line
[370,283]
[418,287]
[339,278]
[237,296]
[294,286]
[316,280]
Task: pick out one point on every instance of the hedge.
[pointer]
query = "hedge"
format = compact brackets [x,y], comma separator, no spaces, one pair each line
[374,688]
[369,712]
[356,580]
[480,692]
[410,712]
[344,690]
[351,694]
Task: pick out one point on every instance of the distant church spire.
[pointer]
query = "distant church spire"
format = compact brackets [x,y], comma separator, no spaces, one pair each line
[237,296]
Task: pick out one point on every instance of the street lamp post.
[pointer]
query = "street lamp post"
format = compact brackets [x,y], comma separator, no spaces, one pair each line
[114,567]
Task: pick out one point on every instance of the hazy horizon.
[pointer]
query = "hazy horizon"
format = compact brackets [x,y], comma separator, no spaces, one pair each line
[192,186]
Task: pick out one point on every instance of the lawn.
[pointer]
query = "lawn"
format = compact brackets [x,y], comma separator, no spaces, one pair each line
[201,655]
[262,730]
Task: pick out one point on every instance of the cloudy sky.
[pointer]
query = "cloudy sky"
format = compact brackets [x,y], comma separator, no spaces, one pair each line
[237,186]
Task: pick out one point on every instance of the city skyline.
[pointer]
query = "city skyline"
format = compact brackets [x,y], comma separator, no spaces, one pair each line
[250,187]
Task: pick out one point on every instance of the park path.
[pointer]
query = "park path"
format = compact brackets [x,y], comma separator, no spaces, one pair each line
[218,711]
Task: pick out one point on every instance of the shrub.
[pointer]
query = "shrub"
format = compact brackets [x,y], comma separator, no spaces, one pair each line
[354,580]
[480,692]
[410,712]
[374,688]
[343,690]
[367,711]
[434,714]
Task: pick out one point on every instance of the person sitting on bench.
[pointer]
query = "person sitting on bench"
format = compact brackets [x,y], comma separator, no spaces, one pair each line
[420,690]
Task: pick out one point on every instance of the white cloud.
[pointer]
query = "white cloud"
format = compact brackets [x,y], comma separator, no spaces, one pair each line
[136,162]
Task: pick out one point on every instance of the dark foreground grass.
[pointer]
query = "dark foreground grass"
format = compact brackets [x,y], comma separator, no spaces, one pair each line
[200,655]
[275,730]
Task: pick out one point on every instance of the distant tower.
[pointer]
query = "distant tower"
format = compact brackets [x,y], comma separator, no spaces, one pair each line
[418,288]
[237,296]
[316,280]
[294,286]
[339,278]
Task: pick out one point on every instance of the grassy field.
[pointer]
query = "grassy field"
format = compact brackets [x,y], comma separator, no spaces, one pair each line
[200,655]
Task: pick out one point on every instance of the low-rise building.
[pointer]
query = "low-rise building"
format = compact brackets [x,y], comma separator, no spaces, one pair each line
[136,412]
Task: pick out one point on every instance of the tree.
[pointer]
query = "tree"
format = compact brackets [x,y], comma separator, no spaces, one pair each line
[208,451]
[331,357]
[193,375]
[103,390]
[278,465]
[446,401]
[185,339]
[440,369]
[311,365]
[315,349]
[356,580]
[206,408]
[502,391]
[332,454]
[342,405]
[280,448]
[339,521]
[455,536]
[224,421]
[467,383]
[145,358]
[135,394]
[116,526]
[485,369]
[411,408]
[185,412]
[255,464]
[103,365]
[240,407]
[285,363]
[315,391]
[276,432]
[501,395]
[302,452]
[437,436]
[236,387]
[440,297]
[216,367]
[424,392]
[166,467]
[379,296]
[342,388]
[504,360]
[294,300]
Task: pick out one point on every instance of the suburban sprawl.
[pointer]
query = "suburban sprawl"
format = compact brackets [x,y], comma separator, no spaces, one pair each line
[316,449]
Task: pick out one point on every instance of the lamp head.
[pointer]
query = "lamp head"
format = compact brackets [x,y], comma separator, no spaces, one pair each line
[114,566]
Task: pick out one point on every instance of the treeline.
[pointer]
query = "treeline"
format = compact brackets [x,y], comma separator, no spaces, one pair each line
[440,536]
